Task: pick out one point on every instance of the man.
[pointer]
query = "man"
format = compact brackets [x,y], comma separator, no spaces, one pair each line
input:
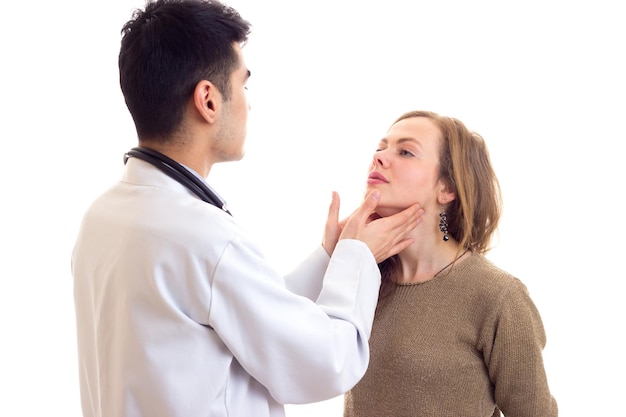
[178,313]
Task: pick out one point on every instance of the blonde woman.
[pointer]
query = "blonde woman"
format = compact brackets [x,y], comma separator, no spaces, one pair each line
[453,334]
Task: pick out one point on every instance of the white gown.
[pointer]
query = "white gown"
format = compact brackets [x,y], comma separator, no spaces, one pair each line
[178,313]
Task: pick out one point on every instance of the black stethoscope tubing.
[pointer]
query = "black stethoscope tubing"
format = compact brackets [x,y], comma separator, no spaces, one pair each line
[179,173]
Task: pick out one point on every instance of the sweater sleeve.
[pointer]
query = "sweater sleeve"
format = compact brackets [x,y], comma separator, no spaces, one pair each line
[515,360]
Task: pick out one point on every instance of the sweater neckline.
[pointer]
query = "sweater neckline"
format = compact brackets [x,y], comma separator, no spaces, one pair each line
[441,274]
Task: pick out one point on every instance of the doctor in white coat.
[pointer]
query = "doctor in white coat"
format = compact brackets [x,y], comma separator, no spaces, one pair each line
[178,314]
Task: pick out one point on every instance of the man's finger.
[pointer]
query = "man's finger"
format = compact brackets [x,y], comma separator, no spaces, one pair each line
[406,216]
[368,206]
[333,209]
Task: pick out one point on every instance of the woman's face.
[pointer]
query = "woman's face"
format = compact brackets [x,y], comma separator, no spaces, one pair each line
[406,165]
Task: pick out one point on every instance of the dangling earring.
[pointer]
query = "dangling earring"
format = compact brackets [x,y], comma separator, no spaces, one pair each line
[443,224]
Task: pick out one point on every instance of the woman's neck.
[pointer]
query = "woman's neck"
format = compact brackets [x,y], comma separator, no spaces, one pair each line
[422,261]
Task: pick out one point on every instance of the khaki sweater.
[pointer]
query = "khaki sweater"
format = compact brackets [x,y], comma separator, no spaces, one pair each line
[458,345]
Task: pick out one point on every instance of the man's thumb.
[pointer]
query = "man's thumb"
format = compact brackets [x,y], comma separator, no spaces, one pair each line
[369,204]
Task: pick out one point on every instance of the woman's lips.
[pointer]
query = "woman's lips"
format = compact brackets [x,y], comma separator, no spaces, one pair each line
[376,178]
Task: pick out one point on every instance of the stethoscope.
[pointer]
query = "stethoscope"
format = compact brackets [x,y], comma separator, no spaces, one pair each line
[179,173]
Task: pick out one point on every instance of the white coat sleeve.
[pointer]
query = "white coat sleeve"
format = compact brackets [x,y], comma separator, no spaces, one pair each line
[300,351]
[307,278]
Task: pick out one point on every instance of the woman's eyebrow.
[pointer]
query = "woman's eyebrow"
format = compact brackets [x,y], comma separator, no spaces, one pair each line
[409,139]
[403,140]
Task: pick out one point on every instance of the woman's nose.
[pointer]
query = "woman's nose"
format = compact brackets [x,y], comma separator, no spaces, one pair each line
[379,159]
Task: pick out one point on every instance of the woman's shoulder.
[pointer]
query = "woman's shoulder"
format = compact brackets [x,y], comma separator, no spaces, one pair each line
[479,272]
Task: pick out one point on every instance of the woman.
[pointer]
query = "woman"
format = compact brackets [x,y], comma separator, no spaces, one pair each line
[453,334]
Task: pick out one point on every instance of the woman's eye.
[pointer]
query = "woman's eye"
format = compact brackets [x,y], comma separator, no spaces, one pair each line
[404,152]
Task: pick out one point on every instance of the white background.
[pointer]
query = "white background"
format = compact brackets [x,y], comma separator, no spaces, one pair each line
[542,81]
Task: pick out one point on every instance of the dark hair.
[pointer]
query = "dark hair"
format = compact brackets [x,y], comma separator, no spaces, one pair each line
[465,167]
[168,48]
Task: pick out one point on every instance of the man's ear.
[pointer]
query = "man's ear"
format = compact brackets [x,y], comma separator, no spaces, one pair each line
[207,100]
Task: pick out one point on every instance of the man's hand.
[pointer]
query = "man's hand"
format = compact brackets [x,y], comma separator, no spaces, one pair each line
[384,236]
[333,225]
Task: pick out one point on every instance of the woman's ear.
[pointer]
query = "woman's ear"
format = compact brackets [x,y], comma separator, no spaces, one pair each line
[207,100]
[444,195]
